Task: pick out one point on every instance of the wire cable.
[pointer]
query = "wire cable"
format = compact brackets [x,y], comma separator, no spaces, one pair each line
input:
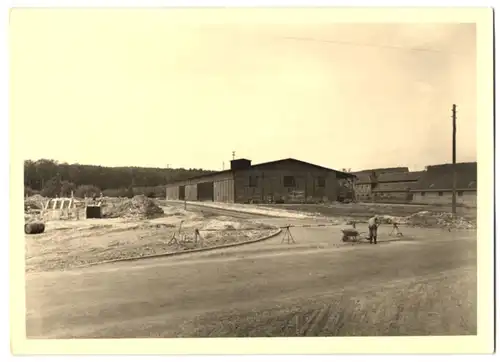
[340,42]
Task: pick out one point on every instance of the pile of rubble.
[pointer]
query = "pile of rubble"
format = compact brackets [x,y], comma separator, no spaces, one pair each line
[383,219]
[425,219]
[139,207]
[221,224]
[389,220]
[439,219]
[35,202]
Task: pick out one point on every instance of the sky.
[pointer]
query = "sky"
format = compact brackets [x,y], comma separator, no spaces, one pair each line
[150,88]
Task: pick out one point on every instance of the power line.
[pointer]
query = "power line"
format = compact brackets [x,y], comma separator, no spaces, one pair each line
[348,43]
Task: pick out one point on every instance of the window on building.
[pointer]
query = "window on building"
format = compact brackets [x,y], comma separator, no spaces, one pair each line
[460,193]
[321,182]
[422,193]
[252,181]
[289,181]
[440,193]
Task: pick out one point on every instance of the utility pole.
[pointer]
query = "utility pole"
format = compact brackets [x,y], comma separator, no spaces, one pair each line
[454,155]
[233,154]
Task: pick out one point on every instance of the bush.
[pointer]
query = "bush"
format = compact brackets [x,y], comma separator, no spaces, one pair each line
[115,192]
[52,188]
[28,191]
[87,190]
[149,191]
[129,193]
[66,188]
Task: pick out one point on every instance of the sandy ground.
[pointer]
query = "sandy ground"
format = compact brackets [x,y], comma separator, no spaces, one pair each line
[66,244]
[265,210]
[421,284]
[366,209]
[412,215]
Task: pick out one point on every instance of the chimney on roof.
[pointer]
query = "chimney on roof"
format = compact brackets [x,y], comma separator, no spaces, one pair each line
[240,164]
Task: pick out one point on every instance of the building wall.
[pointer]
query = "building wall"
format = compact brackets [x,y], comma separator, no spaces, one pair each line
[468,198]
[224,190]
[191,192]
[234,186]
[269,184]
[392,196]
[394,191]
[206,191]
[393,186]
[362,192]
[172,193]
[222,186]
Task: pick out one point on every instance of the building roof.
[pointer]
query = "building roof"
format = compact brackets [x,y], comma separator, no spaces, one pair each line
[382,175]
[400,176]
[395,187]
[390,177]
[440,177]
[339,173]
[362,178]
[385,170]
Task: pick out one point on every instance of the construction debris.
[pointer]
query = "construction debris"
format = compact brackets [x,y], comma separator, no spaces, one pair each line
[222,223]
[439,219]
[391,220]
[139,207]
[423,219]
[35,202]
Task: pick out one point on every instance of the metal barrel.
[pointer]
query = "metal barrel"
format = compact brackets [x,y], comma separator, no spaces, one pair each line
[34,228]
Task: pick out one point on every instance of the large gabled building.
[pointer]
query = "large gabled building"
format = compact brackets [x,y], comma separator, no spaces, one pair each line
[436,184]
[396,186]
[282,181]
[370,183]
[432,186]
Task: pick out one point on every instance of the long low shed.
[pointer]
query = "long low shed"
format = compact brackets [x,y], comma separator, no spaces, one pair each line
[286,181]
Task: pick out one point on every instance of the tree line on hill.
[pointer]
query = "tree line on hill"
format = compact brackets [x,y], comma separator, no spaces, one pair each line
[50,178]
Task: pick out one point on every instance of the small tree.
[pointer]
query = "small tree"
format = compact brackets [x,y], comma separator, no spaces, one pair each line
[52,188]
[130,192]
[28,191]
[115,192]
[66,188]
[88,190]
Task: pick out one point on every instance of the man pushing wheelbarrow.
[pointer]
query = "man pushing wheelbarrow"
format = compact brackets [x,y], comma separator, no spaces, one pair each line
[355,235]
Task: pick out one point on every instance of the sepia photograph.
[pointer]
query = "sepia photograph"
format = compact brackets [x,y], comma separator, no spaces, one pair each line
[221,173]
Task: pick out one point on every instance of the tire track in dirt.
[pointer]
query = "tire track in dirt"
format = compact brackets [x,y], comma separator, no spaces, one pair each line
[319,323]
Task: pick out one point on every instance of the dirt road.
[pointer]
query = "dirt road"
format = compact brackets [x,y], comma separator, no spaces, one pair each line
[422,284]
[368,210]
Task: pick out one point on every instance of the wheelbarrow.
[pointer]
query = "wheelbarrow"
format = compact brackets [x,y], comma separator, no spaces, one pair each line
[351,235]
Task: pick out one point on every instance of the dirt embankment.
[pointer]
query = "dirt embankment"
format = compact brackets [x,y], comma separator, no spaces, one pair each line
[365,209]
[68,244]
[410,215]
[35,202]
[439,219]
[33,206]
